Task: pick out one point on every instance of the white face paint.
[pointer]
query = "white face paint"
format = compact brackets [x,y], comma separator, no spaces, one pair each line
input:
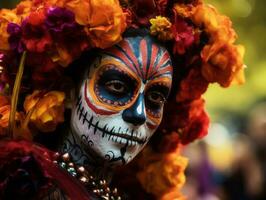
[121,99]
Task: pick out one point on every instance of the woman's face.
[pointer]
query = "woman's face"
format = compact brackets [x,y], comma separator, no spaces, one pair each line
[121,99]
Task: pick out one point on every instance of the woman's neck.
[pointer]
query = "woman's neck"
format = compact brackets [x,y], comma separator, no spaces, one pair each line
[83,155]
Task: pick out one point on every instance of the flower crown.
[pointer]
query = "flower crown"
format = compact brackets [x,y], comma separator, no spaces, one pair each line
[39,39]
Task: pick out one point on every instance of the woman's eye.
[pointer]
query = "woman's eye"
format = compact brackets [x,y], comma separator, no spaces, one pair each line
[116,87]
[156,98]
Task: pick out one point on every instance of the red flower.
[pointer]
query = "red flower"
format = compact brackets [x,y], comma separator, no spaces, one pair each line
[40,62]
[34,32]
[70,47]
[129,16]
[183,35]
[192,87]
[189,120]
[194,2]
[47,80]
[196,129]
[143,11]
[43,73]
[161,6]
[169,143]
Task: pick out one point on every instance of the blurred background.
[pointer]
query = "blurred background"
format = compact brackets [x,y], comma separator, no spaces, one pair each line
[230,163]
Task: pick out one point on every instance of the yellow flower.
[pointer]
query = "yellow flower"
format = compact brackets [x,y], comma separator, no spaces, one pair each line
[162,173]
[6,16]
[161,27]
[47,110]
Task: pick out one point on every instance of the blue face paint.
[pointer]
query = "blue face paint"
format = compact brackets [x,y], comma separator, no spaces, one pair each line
[136,113]
[116,86]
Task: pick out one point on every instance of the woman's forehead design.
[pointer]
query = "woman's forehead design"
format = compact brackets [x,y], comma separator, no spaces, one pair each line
[144,57]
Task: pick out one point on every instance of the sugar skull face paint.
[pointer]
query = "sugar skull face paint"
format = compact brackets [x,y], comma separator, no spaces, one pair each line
[121,99]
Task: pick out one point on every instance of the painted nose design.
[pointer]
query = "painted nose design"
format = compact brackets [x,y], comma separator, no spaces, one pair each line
[136,113]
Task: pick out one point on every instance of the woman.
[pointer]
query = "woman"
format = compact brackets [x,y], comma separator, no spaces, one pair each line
[139,53]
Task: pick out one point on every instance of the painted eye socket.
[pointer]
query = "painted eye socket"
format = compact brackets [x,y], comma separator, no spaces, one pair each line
[155,98]
[116,87]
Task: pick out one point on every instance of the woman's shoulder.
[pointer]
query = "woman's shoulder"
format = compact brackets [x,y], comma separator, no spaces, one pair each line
[30,171]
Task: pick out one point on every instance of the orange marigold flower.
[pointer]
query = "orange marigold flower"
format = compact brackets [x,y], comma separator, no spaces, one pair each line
[5,109]
[174,194]
[24,8]
[4,114]
[162,172]
[103,28]
[4,119]
[217,26]
[222,61]
[184,10]
[223,64]
[81,9]
[47,110]
[161,27]
[6,16]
